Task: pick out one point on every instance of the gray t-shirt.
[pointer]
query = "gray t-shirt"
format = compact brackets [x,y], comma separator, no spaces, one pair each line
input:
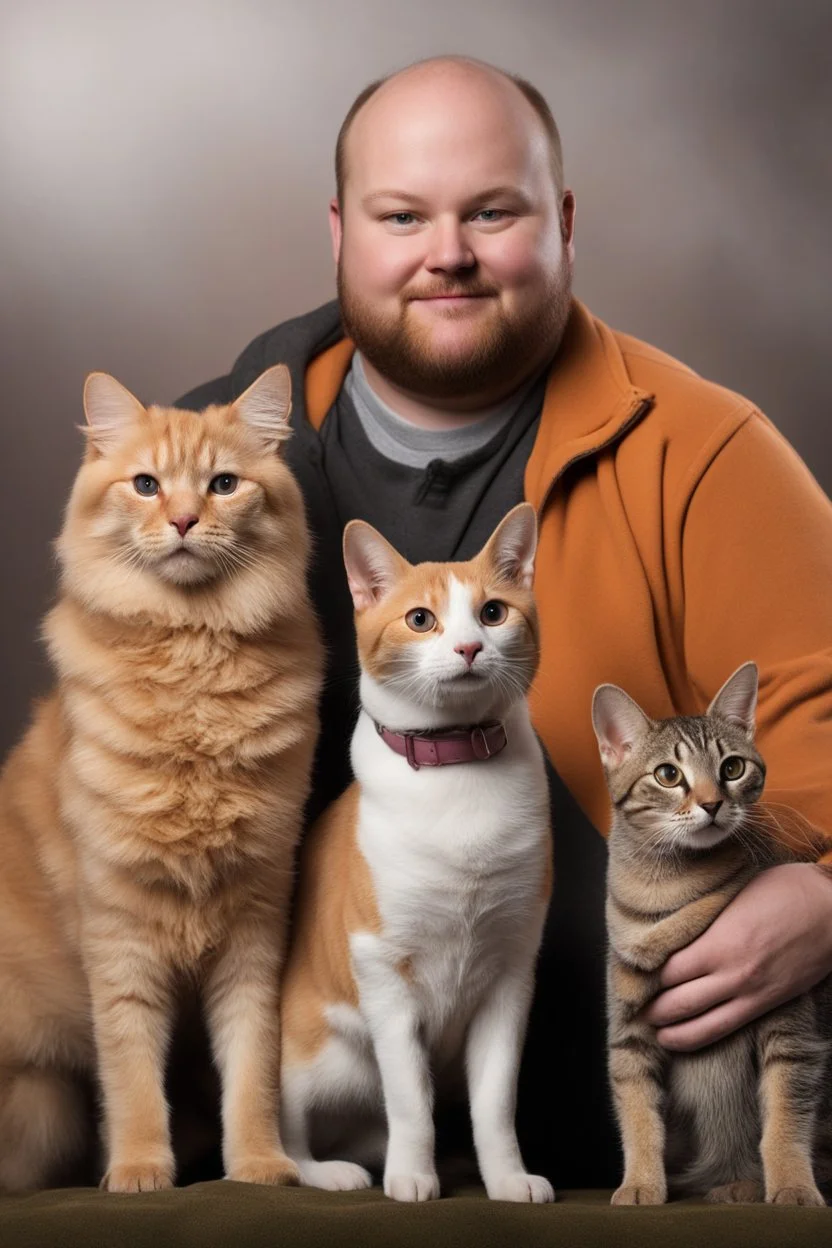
[435,494]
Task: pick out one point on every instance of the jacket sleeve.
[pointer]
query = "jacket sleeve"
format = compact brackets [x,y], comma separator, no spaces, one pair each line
[757,567]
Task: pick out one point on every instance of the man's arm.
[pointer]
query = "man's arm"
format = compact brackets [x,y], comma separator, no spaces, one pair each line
[757,557]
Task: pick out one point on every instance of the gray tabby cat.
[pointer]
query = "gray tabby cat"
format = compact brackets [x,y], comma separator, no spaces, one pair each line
[737,1119]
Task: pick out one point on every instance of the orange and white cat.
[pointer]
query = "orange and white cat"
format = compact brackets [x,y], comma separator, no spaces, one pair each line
[148,818]
[423,889]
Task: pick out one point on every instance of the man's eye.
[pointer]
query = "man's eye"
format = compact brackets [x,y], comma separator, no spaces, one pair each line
[488,215]
[401,218]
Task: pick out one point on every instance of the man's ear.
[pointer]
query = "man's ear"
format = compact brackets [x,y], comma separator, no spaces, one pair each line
[336,229]
[373,565]
[567,218]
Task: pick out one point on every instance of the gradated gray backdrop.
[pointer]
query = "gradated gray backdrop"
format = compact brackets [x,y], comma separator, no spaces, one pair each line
[166,167]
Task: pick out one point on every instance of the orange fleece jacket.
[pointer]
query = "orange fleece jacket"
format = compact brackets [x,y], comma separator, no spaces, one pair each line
[680,535]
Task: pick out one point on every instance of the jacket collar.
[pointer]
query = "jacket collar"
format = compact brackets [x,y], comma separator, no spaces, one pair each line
[589,402]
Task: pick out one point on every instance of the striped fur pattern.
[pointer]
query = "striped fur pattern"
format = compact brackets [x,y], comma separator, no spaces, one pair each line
[737,1119]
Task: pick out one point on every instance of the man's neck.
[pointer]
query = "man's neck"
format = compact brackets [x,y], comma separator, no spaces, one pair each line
[440,414]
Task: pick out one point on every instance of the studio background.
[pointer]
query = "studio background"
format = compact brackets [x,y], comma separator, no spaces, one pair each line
[166,169]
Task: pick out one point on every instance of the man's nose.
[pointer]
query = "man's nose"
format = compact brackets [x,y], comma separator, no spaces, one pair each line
[183,523]
[449,249]
[469,652]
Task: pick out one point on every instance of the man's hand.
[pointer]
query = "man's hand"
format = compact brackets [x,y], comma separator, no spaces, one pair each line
[771,943]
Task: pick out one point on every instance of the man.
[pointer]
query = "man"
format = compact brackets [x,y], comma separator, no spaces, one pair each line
[680,534]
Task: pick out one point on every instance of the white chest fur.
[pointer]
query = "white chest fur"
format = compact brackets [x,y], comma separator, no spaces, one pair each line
[458,857]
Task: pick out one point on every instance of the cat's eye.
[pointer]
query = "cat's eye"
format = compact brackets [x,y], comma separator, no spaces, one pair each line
[224,483]
[420,620]
[732,768]
[668,775]
[146,485]
[494,612]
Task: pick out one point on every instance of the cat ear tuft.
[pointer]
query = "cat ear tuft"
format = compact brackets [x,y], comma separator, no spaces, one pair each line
[737,699]
[619,724]
[110,410]
[267,405]
[373,565]
[511,547]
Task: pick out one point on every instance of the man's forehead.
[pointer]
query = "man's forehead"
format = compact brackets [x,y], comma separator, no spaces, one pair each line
[423,126]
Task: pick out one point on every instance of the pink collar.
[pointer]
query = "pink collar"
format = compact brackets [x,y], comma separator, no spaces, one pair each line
[446,745]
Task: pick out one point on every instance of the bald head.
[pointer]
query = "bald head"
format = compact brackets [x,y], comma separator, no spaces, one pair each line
[455,83]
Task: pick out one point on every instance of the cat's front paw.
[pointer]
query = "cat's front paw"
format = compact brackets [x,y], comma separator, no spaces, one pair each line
[275,1171]
[335,1176]
[528,1188]
[411,1186]
[138,1177]
[796,1196]
[639,1194]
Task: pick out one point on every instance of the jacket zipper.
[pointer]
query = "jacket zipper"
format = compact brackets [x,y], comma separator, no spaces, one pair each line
[636,416]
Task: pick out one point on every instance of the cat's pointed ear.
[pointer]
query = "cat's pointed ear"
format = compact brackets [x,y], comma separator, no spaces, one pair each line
[511,547]
[619,724]
[267,405]
[373,565]
[110,410]
[737,699]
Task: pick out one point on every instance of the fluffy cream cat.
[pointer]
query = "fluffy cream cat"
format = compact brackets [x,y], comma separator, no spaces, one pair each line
[149,816]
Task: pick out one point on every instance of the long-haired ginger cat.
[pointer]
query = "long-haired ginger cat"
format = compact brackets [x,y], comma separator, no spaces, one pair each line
[149,816]
[423,889]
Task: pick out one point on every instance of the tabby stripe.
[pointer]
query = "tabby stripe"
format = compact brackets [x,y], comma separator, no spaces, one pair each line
[619,802]
[789,1059]
[633,912]
[650,1075]
[635,1044]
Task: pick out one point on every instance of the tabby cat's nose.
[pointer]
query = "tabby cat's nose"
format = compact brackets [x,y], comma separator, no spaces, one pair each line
[470,652]
[183,523]
[711,807]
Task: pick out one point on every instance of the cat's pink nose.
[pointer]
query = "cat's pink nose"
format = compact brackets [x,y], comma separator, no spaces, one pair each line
[469,652]
[183,523]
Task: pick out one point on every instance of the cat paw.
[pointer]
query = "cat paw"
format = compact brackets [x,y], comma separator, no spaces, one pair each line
[741,1192]
[796,1196]
[138,1177]
[335,1176]
[411,1186]
[274,1171]
[639,1194]
[529,1188]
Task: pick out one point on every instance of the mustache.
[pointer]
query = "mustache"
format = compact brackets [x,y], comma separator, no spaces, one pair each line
[471,290]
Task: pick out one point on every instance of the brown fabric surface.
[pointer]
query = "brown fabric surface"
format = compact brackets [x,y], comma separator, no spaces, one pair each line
[236,1215]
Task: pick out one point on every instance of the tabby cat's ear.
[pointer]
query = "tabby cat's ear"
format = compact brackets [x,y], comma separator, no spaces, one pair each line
[267,405]
[737,699]
[619,724]
[511,547]
[373,565]
[110,410]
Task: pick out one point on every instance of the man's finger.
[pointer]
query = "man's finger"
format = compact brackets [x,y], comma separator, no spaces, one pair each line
[687,1000]
[709,1027]
[695,961]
